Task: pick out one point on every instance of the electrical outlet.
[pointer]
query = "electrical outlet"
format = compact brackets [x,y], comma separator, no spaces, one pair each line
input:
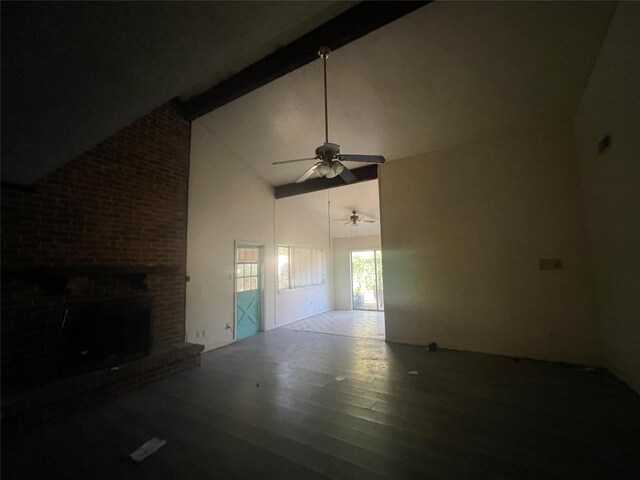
[204,333]
[197,333]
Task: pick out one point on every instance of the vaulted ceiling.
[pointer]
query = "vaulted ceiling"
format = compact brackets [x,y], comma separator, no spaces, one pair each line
[447,74]
[361,197]
[73,73]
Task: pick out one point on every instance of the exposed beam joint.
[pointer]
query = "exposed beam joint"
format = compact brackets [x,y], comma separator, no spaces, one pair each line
[363,174]
[346,27]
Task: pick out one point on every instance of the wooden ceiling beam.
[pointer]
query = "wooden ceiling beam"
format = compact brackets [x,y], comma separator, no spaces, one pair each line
[363,174]
[350,25]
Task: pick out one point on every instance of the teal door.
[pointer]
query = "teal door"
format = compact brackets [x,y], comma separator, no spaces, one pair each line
[248,290]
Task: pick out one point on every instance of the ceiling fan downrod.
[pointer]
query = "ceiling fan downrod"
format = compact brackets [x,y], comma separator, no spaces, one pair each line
[327,156]
[324,52]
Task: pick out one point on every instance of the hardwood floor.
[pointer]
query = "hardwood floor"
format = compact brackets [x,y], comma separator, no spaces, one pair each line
[269,407]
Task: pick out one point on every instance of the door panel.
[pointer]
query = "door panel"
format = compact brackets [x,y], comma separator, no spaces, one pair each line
[366,280]
[379,284]
[248,290]
[248,314]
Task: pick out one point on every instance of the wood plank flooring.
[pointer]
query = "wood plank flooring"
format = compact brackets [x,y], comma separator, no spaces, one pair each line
[269,407]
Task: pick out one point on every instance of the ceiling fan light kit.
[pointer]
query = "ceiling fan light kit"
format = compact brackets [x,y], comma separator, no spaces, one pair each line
[336,169]
[323,169]
[330,159]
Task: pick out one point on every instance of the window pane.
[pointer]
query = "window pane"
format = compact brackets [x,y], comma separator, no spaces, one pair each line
[307,267]
[254,269]
[254,283]
[239,270]
[283,280]
[249,255]
[295,267]
[315,271]
[239,285]
[283,267]
[379,279]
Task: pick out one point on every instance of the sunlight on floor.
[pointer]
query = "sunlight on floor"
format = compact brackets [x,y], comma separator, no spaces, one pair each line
[349,323]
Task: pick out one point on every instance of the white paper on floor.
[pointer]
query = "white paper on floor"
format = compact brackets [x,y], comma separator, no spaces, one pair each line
[340,378]
[147,449]
[413,372]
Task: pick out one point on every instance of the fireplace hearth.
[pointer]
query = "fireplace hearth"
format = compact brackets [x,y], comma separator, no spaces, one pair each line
[93,272]
[107,333]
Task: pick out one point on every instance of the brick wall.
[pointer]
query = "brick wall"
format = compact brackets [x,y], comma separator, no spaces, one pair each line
[121,204]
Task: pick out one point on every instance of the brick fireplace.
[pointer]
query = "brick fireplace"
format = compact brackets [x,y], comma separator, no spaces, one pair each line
[93,261]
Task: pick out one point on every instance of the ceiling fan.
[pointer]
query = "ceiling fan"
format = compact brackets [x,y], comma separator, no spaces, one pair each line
[330,159]
[354,219]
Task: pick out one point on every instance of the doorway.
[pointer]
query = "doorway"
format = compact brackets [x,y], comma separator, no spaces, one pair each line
[367,292]
[248,289]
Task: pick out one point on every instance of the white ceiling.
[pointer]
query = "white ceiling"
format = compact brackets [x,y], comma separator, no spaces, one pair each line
[361,197]
[448,74]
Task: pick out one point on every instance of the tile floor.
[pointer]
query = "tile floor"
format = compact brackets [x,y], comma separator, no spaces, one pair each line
[349,323]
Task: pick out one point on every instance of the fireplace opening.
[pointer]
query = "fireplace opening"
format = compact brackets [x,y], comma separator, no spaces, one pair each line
[104,334]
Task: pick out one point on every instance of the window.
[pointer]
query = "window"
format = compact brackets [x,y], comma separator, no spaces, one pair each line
[300,267]
[247,269]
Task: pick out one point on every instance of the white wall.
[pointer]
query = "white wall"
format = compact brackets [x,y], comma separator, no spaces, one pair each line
[302,221]
[462,232]
[227,202]
[611,183]
[342,248]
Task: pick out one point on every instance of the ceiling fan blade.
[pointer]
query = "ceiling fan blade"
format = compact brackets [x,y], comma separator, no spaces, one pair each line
[347,176]
[348,223]
[291,161]
[362,158]
[340,219]
[368,221]
[308,173]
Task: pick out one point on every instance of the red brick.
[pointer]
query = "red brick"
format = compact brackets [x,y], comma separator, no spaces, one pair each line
[122,203]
